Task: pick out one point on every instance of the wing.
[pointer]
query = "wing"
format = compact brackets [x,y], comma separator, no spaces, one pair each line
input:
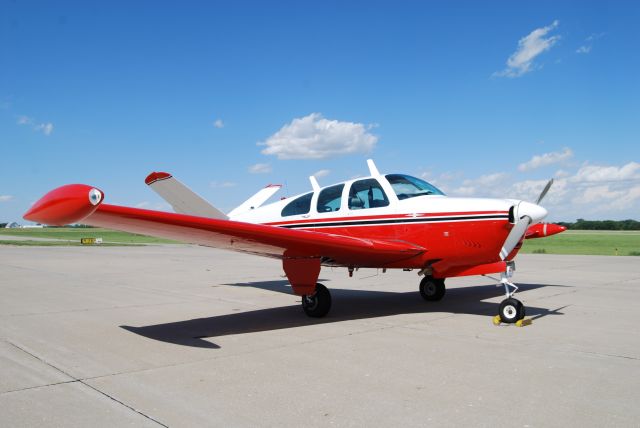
[81,203]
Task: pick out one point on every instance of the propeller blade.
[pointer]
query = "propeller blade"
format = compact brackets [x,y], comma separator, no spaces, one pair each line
[544,192]
[514,236]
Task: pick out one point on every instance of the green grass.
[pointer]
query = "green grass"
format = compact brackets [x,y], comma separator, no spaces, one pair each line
[30,243]
[588,242]
[74,234]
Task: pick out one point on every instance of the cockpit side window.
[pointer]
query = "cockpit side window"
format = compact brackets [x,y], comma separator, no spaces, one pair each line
[367,193]
[298,206]
[330,199]
[406,186]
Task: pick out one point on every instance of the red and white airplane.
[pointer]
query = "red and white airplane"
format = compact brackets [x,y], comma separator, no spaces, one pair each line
[387,221]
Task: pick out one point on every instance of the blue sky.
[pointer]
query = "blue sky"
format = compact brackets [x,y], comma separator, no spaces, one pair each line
[481,98]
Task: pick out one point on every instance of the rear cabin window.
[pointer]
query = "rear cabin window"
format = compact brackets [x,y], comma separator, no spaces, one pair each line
[330,198]
[301,205]
[367,194]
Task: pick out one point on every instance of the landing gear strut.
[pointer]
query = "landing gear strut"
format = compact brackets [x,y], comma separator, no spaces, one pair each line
[432,289]
[511,310]
[317,305]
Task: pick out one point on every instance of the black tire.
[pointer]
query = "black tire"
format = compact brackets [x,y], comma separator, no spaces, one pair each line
[522,312]
[511,310]
[432,289]
[317,305]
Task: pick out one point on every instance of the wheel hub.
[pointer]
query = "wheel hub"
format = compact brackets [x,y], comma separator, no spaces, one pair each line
[311,301]
[510,311]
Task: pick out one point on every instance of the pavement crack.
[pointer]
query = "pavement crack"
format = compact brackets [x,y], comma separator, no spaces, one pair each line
[81,381]
[600,354]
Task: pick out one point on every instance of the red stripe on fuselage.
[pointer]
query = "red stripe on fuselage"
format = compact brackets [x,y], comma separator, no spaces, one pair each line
[408,216]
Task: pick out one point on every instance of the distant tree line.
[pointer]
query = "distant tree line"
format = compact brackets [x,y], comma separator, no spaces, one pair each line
[582,224]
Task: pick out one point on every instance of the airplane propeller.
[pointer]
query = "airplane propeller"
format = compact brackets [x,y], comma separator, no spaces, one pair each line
[544,192]
[524,213]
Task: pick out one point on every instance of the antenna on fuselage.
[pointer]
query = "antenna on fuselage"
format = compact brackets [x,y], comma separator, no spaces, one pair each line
[372,168]
[314,183]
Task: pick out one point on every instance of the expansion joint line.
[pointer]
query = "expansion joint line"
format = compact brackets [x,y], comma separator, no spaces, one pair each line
[75,379]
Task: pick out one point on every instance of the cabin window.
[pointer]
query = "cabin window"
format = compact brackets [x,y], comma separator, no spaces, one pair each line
[298,206]
[330,198]
[406,186]
[367,194]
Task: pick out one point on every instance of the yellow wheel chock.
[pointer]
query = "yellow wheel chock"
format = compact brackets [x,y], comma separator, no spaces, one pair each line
[520,323]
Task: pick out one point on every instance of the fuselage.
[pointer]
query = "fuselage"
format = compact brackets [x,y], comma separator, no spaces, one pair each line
[458,231]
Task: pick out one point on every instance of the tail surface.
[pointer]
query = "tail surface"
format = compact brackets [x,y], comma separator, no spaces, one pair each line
[181,198]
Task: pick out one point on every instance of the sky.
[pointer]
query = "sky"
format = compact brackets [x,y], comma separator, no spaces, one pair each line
[486,99]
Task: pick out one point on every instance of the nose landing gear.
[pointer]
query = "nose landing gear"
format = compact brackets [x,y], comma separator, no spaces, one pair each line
[511,310]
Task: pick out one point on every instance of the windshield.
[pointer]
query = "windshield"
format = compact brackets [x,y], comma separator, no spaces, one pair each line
[406,186]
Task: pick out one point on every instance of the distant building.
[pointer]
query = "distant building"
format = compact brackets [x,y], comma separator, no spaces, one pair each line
[32,226]
[12,225]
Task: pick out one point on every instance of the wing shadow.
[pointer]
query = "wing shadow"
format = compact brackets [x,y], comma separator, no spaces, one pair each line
[347,305]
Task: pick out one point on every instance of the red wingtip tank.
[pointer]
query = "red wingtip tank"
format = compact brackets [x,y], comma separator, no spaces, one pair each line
[65,205]
[541,230]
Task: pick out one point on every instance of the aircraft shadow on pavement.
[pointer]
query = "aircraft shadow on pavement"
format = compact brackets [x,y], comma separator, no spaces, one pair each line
[347,305]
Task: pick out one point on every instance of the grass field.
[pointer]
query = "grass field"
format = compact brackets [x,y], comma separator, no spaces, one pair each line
[587,242]
[72,236]
[608,243]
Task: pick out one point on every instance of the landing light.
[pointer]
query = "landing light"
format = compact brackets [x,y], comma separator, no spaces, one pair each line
[95,196]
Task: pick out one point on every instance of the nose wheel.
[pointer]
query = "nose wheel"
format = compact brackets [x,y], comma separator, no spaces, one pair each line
[511,310]
[317,305]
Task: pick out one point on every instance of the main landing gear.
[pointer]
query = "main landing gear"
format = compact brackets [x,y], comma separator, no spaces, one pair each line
[317,305]
[432,289]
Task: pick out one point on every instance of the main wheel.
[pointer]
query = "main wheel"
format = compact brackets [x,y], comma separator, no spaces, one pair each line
[317,304]
[511,310]
[431,288]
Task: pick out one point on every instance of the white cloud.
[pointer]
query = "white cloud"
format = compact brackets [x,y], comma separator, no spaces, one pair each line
[222,185]
[546,159]
[487,180]
[260,168]
[314,137]
[584,49]
[600,191]
[218,123]
[45,128]
[6,198]
[24,120]
[321,173]
[529,47]
[464,191]
[595,173]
